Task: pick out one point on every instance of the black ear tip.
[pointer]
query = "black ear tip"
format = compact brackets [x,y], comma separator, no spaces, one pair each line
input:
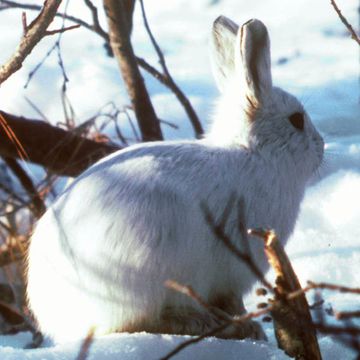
[255,26]
[248,22]
[223,22]
[219,19]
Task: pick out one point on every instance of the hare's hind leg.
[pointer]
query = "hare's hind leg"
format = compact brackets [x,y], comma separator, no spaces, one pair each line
[184,320]
[188,320]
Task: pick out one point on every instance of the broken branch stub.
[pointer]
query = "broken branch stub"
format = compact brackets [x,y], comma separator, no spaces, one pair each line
[293,324]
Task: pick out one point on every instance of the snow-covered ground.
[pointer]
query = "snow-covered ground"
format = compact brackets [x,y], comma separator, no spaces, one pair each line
[312,58]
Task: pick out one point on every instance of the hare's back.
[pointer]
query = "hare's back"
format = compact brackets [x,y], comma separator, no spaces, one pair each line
[139,198]
[157,184]
[191,170]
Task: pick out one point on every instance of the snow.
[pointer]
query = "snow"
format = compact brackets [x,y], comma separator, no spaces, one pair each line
[152,346]
[312,57]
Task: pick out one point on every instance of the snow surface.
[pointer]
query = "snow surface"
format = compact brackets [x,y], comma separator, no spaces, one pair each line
[312,57]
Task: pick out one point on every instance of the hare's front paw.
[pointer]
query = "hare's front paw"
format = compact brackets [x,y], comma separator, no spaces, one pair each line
[247,329]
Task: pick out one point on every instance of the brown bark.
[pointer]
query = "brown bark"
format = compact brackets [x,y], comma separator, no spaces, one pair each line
[59,151]
[119,16]
[294,328]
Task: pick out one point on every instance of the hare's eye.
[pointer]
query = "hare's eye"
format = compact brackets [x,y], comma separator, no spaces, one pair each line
[297,120]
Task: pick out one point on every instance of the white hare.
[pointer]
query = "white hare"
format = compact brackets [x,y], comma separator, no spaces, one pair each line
[100,255]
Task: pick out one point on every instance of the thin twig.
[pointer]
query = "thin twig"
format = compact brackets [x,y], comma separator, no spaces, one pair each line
[131,123]
[62,30]
[38,66]
[195,340]
[6,227]
[13,195]
[199,132]
[337,330]
[234,321]
[154,43]
[11,135]
[190,292]
[85,346]
[169,123]
[186,290]
[24,22]
[340,288]
[312,285]
[96,27]
[36,109]
[345,22]
[227,319]
[220,234]
[118,131]
[38,207]
[342,315]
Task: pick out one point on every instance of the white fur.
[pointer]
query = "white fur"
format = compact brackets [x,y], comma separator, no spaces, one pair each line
[100,255]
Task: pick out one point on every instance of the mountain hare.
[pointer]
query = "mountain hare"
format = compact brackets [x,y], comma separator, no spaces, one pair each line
[100,255]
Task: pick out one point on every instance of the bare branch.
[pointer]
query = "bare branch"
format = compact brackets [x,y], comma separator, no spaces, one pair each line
[340,288]
[337,330]
[62,30]
[38,206]
[120,43]
[35,32]
[169,81]
[155,44]
[169,123]
[312,285]
[164,79]
[96,27]
[60,151]
[345,22]
[347,315]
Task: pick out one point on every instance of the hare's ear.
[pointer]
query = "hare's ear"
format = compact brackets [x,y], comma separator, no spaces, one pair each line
[252,58]
[222,48]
